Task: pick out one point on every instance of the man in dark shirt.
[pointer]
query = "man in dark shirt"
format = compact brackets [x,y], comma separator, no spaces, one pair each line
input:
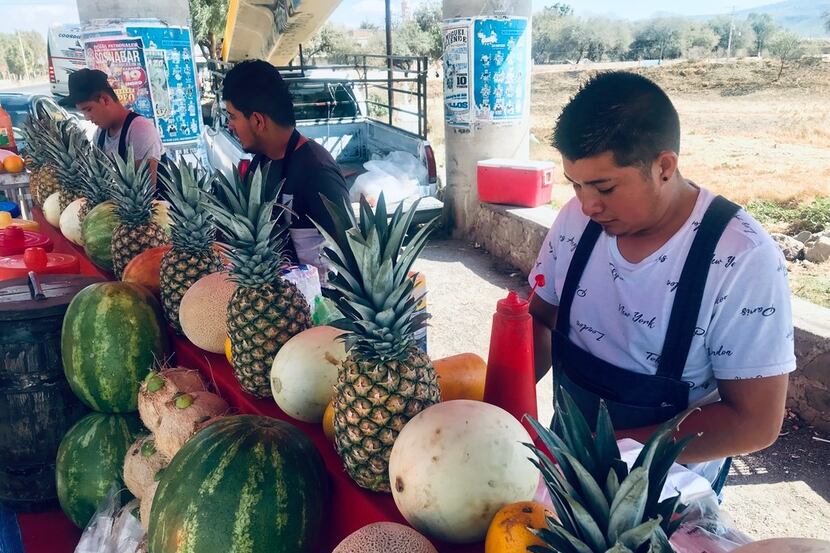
[261,115]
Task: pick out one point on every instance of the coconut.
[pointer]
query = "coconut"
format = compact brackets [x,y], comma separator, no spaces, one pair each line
[147,504]
[385,537]
[182,416]
[141,464]
[160,387]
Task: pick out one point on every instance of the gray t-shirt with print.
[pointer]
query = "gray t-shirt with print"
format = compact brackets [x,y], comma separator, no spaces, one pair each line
[142,135]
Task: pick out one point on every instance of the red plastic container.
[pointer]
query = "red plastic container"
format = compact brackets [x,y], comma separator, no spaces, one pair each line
[14,241]
[511,377]
[39,261]
[514,182]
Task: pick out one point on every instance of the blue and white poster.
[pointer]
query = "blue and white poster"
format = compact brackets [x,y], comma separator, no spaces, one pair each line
[172,73]
[501,64]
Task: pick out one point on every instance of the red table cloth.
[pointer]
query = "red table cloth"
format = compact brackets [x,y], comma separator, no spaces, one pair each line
[349,506]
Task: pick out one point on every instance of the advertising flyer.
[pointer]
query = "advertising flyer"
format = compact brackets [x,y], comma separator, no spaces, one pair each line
[172,74]
[457,106]
[122,59]
[501,64]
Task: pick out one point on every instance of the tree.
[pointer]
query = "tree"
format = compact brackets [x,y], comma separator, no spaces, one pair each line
[699,40]
[742,34]
[331,42]
[429,18]
[785,46]
[208,19]
[559,9]
[660,39]
[367,25]
[764,27]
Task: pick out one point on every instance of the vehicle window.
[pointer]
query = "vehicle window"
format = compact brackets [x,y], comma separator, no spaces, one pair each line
[322,100]
[17,107]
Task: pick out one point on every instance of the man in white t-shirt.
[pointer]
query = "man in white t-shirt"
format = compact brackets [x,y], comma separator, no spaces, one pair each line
[118,127]
[658,296]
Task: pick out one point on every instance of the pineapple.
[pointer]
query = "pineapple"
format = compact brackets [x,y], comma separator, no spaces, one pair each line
[96,174]
[132,192]
[600,505]
[192,255]
[266,310]
[386,379]
[64,143]
[43,181]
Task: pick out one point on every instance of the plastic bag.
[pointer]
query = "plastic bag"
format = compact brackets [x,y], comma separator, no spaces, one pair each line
[401,165]
[707,529]
[114,528]
[371,184]
[325,311]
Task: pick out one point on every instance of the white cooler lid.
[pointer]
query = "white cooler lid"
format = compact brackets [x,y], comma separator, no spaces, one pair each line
[516,163]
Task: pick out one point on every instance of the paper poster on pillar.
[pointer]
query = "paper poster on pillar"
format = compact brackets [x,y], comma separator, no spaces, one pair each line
[122,59]
[457,103]
[501,69]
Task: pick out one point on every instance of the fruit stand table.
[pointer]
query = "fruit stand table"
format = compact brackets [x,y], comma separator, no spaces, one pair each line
[350,507]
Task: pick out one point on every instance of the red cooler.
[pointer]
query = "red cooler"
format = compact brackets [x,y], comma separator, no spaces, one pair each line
[515,182]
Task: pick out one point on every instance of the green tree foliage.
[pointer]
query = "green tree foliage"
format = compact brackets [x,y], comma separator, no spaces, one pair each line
[699,40]
[22,55]
[208,19]
[764,27]
[329,41]
[785,46]
[660,39]
[743,37]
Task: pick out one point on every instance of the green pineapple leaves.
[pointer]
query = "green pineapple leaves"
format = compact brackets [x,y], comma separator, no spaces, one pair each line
[373,261]
[600,505]
[132,190]
[193,230]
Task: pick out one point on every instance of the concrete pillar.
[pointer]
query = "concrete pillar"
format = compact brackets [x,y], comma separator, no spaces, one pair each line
[496,125]
[173,12]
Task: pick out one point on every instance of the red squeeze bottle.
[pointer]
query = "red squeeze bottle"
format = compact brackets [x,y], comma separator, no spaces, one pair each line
[511,378]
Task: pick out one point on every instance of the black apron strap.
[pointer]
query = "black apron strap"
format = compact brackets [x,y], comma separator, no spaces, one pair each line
[691,284]
[122,140]
[580,260]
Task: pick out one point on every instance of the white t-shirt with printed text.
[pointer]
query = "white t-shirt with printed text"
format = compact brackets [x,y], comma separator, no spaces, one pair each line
[621,310]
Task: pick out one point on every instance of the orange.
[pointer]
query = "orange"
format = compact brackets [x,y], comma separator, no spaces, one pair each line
[461,376]
[228,354]
[13,164]
[508,531]
[328,421]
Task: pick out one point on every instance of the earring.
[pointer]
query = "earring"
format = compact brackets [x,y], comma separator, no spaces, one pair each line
[665,179]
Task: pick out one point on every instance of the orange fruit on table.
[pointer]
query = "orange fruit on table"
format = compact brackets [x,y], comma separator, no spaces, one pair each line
[145,269]
[13,164]
[461,376]
[508,532]
[328,422]
[228,351]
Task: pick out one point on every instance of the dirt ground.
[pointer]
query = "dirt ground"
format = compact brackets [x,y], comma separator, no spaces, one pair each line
[781,491]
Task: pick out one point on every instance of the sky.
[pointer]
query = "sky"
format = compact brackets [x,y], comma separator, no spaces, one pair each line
[40,14]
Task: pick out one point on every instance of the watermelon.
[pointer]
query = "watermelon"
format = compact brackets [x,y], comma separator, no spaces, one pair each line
[243,483]
[90,461]
[113,333]
[96,233]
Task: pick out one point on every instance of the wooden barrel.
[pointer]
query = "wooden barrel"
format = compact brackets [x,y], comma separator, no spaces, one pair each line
[37,406]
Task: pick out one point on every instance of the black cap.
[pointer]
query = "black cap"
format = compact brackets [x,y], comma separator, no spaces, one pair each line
[84,84]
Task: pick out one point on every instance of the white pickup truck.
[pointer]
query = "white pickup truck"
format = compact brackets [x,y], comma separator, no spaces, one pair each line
[335,109]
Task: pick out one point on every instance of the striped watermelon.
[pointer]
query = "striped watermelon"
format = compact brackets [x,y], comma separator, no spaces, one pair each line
[96,233]
[90,460]
[243,483]
[112,335]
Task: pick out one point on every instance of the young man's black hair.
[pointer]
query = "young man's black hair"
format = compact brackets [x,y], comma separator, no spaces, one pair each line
[621,112]
[257,86]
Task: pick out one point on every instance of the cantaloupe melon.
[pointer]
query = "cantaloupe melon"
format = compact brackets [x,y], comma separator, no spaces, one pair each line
[144,269]
[70,222]
[203,312]
[52,209]
[304,372]
[385,537]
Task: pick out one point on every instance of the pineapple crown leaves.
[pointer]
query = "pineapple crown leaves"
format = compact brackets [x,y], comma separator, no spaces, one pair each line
[63,143]
[601,506]
[193,229]
[373,264]
[96,172]
[254,241]
[132,191]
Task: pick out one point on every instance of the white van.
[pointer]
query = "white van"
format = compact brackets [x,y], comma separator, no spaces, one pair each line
[65,54]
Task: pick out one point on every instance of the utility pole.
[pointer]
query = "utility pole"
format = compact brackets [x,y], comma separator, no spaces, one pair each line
[23,55]
[390,92]
[731,29]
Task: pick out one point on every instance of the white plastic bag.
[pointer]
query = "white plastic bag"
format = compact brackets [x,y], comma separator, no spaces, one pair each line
[374,182]
[114,528]
[401,165]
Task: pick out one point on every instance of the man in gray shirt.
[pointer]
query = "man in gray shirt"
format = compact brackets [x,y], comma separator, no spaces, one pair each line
[118,127]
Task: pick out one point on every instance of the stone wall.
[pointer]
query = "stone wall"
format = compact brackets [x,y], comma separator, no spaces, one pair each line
[515,235]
